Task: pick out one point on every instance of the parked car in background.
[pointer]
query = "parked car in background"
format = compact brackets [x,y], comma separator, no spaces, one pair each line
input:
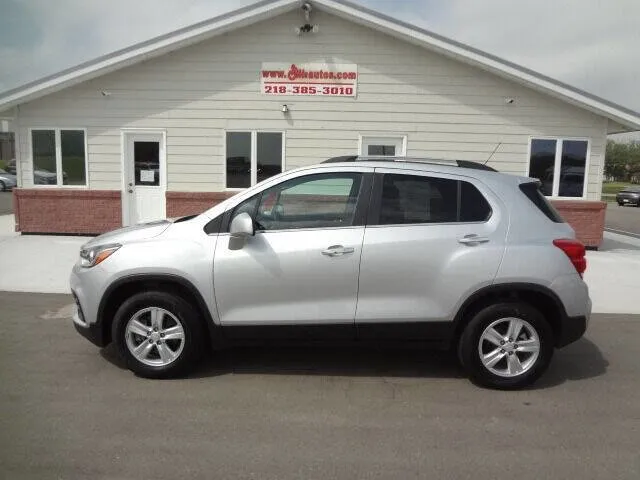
[629,196]
[454,255]
[7,180]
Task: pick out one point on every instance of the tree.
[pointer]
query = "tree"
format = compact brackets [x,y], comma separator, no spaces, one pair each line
[622,161]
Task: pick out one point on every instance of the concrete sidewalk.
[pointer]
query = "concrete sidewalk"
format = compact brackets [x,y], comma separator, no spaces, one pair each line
[42,263]
[36,263]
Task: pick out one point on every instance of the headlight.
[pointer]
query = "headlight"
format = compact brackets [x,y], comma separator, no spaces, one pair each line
[90,257]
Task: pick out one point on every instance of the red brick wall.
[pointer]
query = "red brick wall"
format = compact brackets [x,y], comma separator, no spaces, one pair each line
[586,218]
[98,211]
[66,210]
[189,203]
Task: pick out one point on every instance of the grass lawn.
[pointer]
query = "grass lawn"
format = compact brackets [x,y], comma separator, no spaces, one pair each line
[611,188]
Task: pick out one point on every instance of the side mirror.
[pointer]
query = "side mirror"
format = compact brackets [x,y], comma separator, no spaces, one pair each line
[241,226]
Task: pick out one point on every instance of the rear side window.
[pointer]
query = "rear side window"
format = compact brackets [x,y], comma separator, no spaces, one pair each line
[533,193]
[408,199]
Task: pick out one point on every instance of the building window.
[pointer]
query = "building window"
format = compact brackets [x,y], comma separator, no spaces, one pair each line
[252,157]
[560,165]
[59,157]
[383,146]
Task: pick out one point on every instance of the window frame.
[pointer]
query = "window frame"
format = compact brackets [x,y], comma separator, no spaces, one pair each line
[373,214]
[58,151]
[402,138]
[555,189]
[254,155]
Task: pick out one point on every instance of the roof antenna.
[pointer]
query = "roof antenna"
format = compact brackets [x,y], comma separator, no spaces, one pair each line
[494,151]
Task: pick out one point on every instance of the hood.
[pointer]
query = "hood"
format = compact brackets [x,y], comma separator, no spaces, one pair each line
[9,176]
[141,231]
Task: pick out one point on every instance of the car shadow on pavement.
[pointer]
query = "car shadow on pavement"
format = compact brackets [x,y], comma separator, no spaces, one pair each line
[332,361]
[580,361]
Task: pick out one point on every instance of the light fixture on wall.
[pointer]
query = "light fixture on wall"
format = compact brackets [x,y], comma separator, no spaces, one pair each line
[285,108]
[307,27]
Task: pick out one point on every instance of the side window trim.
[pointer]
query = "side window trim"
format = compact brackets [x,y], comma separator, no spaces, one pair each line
[375,204]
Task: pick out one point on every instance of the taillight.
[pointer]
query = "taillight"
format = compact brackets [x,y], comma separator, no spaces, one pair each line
[575,251]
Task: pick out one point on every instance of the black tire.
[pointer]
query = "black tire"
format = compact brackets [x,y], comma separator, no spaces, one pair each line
[620,204]
[469,354]
[190,321]
[3,187]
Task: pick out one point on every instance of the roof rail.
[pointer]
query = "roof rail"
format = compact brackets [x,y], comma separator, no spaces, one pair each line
[432,161]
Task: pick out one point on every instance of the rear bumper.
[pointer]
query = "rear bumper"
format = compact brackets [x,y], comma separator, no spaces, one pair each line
[572,329]
[627,200]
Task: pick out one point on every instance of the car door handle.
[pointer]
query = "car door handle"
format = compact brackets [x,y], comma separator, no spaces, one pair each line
[472,239]
[337,250]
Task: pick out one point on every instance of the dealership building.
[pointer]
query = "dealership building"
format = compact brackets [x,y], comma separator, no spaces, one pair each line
[174,125]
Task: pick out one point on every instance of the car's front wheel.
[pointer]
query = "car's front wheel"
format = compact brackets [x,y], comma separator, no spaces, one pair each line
[3,187]
[506,346]
[158,334]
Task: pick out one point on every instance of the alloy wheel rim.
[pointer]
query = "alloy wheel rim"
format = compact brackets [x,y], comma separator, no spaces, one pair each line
[154,336]
[509,347]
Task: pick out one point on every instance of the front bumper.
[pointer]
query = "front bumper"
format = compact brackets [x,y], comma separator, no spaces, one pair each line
[87,286]
[94,333]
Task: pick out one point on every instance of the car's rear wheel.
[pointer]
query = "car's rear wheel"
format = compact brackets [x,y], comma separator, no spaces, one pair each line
[3,187]
[506,346]
[158,334]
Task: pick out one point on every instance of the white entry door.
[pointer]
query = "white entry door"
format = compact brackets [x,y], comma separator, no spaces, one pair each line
[144,177]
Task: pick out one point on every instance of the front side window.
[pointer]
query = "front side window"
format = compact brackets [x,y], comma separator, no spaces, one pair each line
[410,199]
[59,157]
[252,157]
[560,165]
[325,200]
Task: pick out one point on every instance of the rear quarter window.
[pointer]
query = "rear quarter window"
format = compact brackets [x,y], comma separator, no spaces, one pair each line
[412,199]
[532,192]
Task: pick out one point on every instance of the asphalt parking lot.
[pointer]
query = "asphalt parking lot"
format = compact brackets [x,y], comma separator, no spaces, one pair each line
[70,411]
[625,220]
[6,203]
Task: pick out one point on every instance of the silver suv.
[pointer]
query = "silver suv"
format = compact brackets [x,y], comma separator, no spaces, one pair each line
[450,254]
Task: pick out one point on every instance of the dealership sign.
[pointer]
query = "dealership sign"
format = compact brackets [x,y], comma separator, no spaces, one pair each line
[333,80]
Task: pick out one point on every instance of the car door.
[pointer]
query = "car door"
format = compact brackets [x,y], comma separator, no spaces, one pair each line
[301,266]
[430,240]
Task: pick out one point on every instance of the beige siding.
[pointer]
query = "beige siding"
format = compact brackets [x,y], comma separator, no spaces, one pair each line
[445,108]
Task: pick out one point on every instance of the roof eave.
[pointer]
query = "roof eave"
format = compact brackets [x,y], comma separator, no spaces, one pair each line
[482,60]
[143,51]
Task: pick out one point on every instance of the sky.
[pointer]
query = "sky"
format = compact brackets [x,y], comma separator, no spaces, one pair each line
[590,44]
